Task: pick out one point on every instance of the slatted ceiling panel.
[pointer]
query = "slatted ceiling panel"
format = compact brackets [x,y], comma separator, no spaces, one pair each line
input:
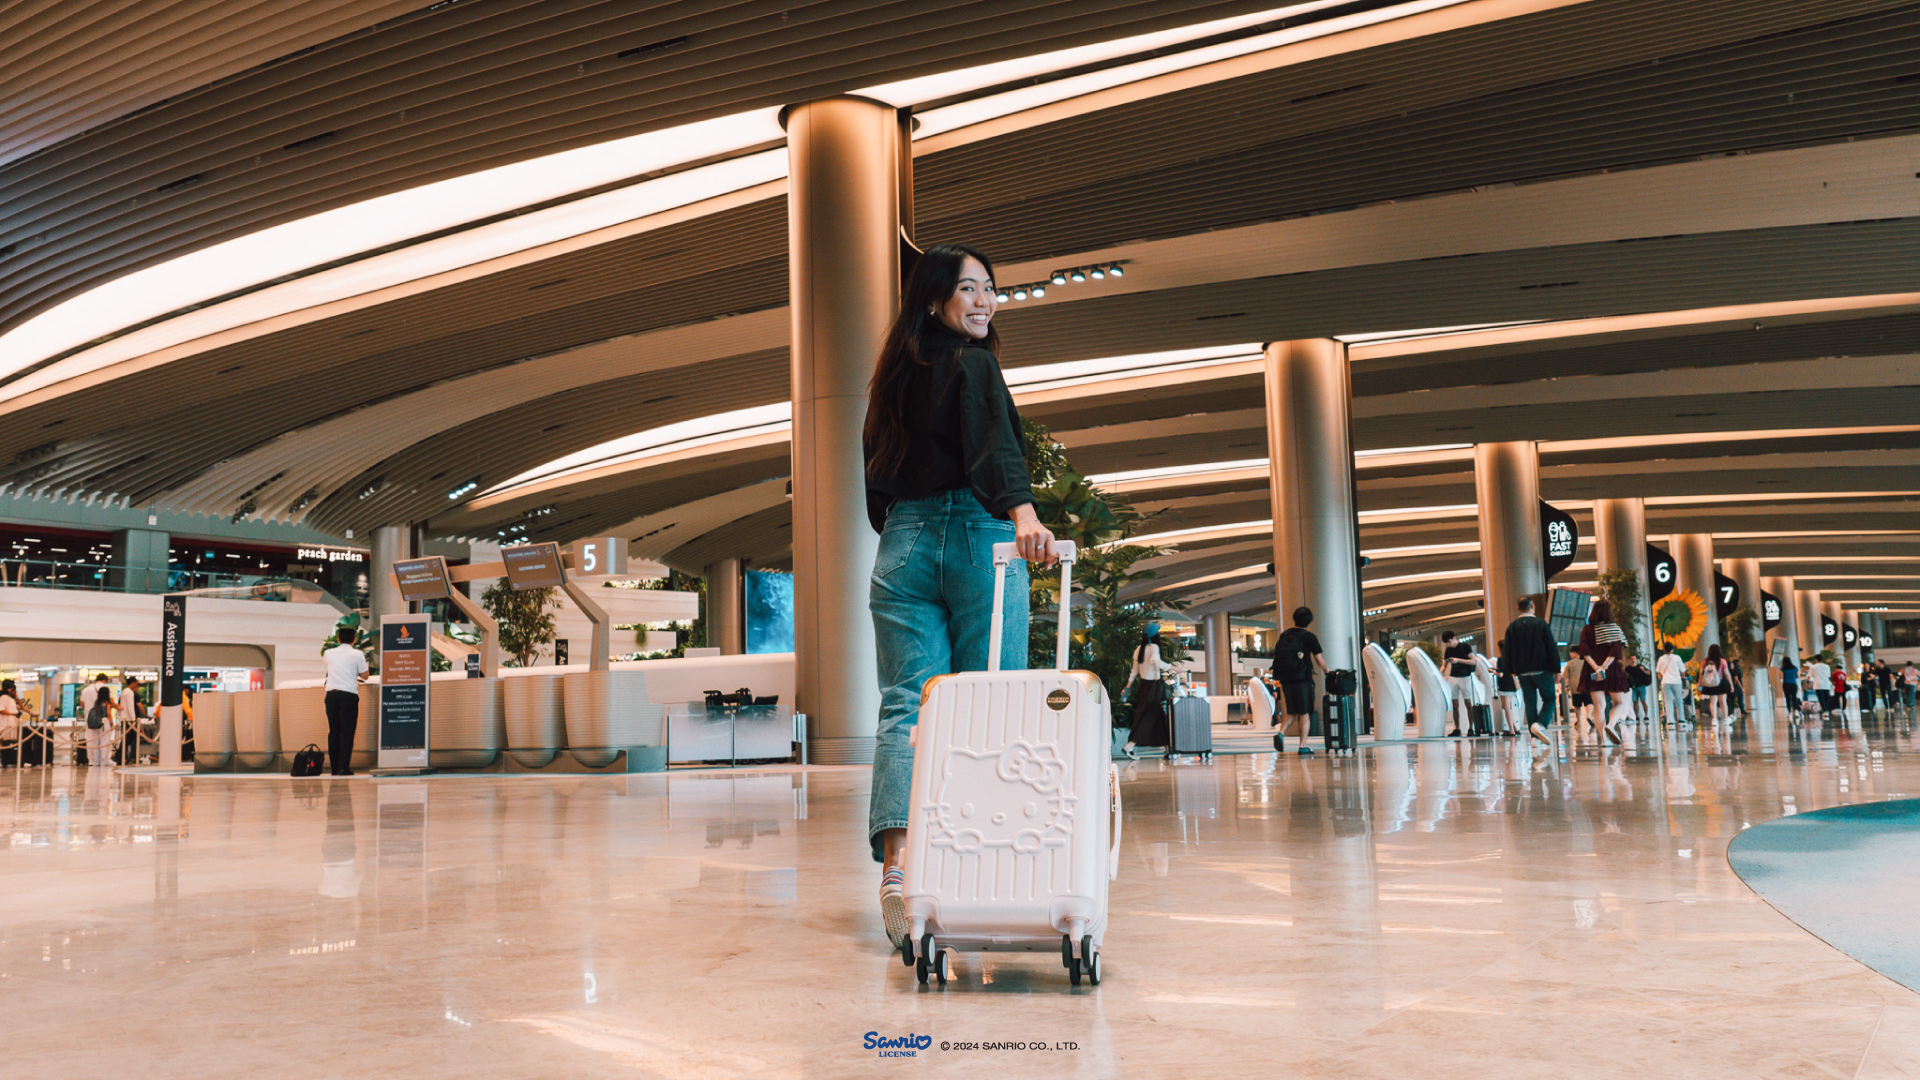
[323,368]
[1742,97]
[1212,396]
[1736,344]
[1346,91]
[546,429]
[766,535]
[1707,451]
[68,67]
[307,400]
[484,84]
[1661,274]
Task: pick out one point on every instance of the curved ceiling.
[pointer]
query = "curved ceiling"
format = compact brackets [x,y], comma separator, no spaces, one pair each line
[1581,161]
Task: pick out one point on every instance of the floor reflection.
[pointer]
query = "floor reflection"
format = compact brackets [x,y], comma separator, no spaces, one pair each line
[718,924]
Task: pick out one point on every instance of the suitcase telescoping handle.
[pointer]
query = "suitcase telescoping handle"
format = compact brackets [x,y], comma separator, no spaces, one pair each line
[1064,550]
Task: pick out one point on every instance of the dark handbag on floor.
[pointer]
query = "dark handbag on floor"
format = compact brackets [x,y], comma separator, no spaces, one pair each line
[308,761]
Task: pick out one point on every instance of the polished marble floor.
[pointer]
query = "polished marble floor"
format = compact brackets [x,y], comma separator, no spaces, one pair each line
[1439,909]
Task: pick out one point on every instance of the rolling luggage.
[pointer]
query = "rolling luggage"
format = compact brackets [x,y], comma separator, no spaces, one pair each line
[1343,724]
[1014,828]
[1192,730]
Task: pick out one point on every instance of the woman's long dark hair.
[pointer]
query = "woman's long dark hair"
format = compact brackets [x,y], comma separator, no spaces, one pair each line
[1713,654]
[1146,639]
[1601,612]
[936,274]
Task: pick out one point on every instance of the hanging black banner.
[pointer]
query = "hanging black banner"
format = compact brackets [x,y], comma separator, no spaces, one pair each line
[1662,572]
[1559,539]
[1829,633]
[1772,611]
[173,647]
[1726,594]
[1850,635]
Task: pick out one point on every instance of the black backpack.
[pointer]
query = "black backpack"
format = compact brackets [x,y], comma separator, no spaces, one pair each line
[307,762]
[97,713]
[1290,660]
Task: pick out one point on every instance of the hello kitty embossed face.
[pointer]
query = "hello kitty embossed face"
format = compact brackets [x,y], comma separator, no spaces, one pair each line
[1005,798]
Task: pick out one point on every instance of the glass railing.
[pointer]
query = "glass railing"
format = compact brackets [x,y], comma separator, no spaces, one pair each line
[57,574]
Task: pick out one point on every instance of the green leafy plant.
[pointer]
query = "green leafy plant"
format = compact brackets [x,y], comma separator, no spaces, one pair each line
[1106,628]
[1432,649]
[525,618]
[1621,590]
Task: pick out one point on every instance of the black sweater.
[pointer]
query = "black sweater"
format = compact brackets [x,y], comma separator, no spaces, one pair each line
[1528,647]
[963,432]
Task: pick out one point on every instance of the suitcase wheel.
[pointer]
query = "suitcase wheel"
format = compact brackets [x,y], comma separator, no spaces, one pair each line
[940,966]
[1091,960]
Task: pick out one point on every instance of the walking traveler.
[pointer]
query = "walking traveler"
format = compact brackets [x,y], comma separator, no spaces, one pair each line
[1790,684]
[1579,699]
[1296,652]
[1149,721]
[1909,685]
[1639,679]
[946,480]
[1605,647]
[1528,652]
[1673,684]
[99,720]
[128,716]
[1820,681]
[1716,683]
[346,670]
[1884,676]
[1459,659]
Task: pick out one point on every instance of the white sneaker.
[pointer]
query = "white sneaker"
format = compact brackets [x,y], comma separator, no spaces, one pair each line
[893,912]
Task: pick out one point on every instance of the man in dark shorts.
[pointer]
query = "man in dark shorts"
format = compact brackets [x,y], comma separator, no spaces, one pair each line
[1295,654]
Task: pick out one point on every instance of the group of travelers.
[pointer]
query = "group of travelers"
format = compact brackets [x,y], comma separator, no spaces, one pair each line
[1815,687]
[114,725]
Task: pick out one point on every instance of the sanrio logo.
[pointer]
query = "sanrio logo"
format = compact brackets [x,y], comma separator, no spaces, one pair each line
[1021,806]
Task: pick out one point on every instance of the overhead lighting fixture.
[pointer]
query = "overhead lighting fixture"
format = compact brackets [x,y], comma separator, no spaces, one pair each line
[1059,278]
[1019,293]
[1097,274]
[1039,291]
[464,489]
[1000,296]
[1116,271]
[1077,275]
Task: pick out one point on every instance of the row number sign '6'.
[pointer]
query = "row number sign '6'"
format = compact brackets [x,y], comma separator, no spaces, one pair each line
[1661,573]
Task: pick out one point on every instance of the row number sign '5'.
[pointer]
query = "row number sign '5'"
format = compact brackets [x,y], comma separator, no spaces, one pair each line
[601,555]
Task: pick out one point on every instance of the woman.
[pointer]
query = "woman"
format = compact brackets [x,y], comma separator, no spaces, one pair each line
[1605,647]
[946,480]
[1790,684]
[1716,682]
[1147,720]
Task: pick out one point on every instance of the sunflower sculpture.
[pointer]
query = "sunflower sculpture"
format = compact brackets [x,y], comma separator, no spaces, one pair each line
[1680,619]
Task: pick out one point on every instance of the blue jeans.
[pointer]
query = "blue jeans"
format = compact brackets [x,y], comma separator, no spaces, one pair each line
[932,602]
[1536,697]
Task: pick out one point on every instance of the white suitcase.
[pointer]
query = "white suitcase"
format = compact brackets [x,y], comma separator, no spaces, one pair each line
[1013,832]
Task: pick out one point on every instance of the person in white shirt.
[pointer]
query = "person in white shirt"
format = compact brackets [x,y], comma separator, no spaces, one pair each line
[1823,685]
[346,670]
[11,743]
[128,715]
[1673,683]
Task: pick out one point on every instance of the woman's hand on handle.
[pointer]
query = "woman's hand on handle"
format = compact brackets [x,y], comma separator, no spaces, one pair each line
[1034,540]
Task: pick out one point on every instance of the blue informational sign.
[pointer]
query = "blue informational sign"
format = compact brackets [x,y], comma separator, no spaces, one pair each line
[405,655]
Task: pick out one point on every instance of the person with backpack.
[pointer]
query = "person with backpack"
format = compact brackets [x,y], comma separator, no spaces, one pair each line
[1716,685]
[1528,652]
[99,719]
[1295,654]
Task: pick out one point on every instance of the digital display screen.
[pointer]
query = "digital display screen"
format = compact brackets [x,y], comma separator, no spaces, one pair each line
[422,579]
[1567,613]
[534,566]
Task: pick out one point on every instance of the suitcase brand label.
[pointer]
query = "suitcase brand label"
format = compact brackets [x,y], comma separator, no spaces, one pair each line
[1058,700]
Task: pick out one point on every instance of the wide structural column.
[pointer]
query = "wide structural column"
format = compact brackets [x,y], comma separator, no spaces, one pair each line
[1789,628]
[1219,646]
[390,544]
[727,606]
[1746,574]
[1806,613]
[1693,561]
[1310,449]
[1506,482]
[1620,543]
[843,244]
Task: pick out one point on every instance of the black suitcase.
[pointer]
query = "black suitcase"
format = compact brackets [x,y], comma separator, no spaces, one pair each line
[1480,718]
[1192,729]
[1341,728]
